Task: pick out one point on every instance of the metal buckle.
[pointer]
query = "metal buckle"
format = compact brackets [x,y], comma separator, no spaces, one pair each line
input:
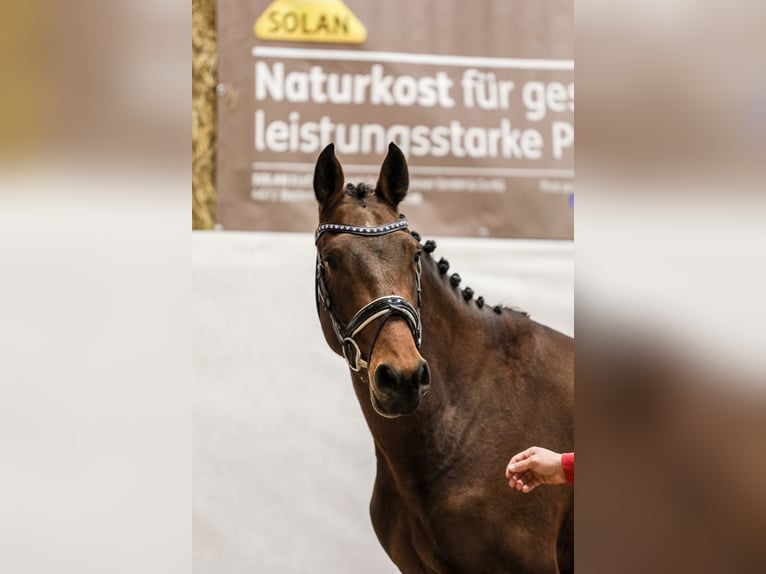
[358,363]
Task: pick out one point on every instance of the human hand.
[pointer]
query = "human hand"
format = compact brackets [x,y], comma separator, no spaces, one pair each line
[533,467]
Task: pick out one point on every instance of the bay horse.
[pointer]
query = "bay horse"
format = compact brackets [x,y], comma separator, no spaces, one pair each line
[449,387]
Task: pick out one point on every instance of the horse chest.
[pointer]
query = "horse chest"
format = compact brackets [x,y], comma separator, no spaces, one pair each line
[407,538]
[438,536]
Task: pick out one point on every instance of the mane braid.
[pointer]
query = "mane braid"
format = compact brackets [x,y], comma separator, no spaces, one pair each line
[443,266]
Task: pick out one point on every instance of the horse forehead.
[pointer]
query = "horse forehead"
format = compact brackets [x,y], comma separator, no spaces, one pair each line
[373,251]
[367,212]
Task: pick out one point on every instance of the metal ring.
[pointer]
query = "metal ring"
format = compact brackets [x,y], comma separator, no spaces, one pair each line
[358,363]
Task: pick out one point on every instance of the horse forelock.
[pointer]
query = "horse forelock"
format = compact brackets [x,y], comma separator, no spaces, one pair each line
[358,191]
[357,205]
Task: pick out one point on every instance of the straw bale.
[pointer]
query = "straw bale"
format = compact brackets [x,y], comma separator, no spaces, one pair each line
[204,79]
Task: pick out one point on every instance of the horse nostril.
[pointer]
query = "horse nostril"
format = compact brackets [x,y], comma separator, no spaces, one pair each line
[423,377]
[387,378]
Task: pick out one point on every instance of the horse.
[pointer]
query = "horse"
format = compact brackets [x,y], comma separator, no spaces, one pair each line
[449,387]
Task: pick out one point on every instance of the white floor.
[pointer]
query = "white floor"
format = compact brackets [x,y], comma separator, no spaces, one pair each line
[283,463]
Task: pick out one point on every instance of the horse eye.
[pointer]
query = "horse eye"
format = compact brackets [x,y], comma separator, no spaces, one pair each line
[418,253]
[332,263]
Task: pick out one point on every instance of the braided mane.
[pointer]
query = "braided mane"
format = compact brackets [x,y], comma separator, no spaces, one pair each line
[443,265]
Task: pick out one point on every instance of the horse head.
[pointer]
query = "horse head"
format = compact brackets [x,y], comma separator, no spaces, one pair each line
[368,281]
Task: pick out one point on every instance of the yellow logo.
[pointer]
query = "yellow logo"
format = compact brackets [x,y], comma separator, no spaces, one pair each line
[310,21]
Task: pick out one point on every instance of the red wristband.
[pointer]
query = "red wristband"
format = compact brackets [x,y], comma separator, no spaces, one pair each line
[567,464]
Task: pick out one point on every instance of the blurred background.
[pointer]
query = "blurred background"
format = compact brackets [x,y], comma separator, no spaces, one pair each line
[98,315]
[95,329]
[670,272]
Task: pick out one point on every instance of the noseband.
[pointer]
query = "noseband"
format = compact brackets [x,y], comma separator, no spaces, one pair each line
[380,309]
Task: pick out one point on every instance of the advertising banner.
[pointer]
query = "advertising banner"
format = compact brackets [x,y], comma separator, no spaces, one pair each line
[478,95]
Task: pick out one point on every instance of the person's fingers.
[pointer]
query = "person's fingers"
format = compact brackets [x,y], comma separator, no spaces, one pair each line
[510,466]
[525,464]
[528,477]
[509,471]
[521,469]
[523,482]
[519,466]
[530,486]
[523,454]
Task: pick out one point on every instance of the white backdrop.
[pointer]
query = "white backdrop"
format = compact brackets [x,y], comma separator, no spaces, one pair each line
[283,463]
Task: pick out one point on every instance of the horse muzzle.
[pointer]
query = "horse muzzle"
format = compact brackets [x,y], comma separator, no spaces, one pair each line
[395,392]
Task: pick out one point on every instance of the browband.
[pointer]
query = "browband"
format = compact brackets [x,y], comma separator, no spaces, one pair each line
[371,230]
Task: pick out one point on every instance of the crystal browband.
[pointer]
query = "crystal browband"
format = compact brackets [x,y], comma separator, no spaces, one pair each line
[361,230]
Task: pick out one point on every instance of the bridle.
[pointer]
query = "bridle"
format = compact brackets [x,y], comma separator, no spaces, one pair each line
[380,309]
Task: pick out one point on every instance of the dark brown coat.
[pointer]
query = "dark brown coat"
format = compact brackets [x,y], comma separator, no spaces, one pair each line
[495,384]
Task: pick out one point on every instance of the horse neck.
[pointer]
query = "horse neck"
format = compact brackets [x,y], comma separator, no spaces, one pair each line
[455,333]
[454,343]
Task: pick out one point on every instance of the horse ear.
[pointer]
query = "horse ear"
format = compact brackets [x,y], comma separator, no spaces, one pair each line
[394,179]
[328,175]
